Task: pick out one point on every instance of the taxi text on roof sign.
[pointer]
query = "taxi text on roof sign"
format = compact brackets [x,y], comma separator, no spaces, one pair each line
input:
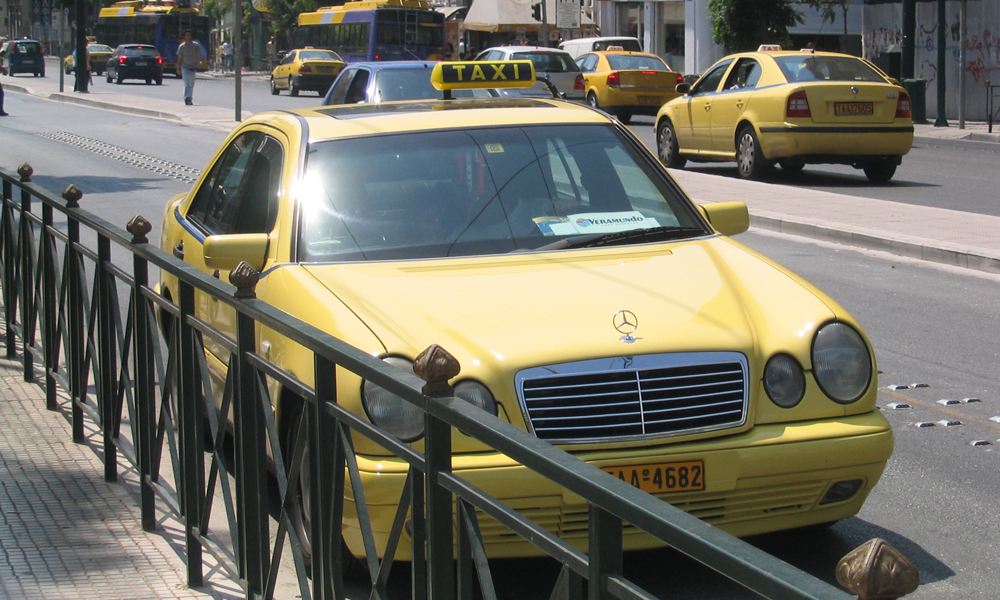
[471,75]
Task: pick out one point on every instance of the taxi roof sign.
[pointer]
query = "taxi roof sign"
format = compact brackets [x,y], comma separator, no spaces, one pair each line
[470,75]
[616,48]
[769,48]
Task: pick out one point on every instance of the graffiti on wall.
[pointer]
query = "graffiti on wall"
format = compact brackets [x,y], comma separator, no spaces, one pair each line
[982,53]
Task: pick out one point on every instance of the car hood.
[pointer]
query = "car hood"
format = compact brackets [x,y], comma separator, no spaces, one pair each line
[515,311]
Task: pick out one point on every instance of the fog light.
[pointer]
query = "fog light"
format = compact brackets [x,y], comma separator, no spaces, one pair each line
[842,490]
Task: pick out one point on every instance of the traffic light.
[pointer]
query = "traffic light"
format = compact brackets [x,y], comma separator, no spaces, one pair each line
[536,11]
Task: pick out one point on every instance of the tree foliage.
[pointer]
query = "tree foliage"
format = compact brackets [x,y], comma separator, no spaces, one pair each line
[215,9]
[828,10]
[742,25]
[284,16]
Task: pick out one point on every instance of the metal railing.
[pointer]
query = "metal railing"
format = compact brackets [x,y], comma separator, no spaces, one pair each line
[992,106]
[152,400]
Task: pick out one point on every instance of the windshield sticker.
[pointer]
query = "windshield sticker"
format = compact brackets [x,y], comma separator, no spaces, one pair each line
[494,148]
[586,223]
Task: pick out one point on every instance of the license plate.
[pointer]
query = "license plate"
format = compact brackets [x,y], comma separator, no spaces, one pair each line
[678,476]
[650,100]
[843,109]
[141,63]
[324,69]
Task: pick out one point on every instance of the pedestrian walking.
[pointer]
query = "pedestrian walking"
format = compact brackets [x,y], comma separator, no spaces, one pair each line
[188,61]
[227,56]
[3,71]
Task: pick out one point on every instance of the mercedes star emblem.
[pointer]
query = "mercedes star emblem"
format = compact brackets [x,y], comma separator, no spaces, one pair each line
[626,323]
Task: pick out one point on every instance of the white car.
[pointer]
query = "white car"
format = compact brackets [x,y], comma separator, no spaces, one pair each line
[555,65]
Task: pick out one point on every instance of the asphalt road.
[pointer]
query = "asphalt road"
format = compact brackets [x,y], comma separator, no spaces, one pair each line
[929,324]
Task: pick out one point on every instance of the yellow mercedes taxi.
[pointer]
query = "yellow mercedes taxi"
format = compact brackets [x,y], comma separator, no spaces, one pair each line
[309,69]
[99,55]
[627,83]
[587,299]
[790,108]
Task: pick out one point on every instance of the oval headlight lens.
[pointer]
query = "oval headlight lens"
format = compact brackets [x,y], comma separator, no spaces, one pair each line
[389,411]
[476,394]
[841,362]
[784,381]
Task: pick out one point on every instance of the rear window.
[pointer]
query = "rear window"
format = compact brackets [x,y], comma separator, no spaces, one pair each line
[29,48]
[645,63]
[319,55]
[99,49]
[626,44]
[548,62]
[409,84]
[826,68]
[145,51]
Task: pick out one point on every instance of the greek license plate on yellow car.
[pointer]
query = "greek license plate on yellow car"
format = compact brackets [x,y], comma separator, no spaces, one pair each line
[852,108]
[678,476]
[650,100]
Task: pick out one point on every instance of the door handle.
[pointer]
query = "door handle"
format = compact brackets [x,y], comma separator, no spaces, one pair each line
[179,250]
[739,104]
[708,107]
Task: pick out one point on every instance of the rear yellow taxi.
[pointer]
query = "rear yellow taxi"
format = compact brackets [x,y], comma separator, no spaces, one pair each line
[627,83]
[790,108]
[309,69]
[99,55]
[587,299]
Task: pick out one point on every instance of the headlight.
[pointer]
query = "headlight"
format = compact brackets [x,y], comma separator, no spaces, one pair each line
[476,394]
[841,362]
[389,411]
[784,381]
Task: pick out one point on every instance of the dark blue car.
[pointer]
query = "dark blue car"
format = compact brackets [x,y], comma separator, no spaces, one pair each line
[25,56]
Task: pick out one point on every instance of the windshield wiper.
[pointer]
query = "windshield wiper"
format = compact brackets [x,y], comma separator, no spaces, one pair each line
[620,238]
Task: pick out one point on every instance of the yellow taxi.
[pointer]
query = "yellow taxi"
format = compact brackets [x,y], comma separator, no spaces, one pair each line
[790,108]
[309,69]
[627,83]
[99,55]
[587,299]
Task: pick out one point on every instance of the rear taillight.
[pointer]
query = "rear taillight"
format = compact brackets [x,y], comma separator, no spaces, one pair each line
[680,78]
[159,60]
[305,69]
[798,105]
[614,80]
[578,84]
[903,106]
[121,60]
[649,72]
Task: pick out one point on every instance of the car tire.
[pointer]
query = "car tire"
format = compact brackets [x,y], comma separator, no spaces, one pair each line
[108,76]
[353,567]
[149,82]
[791,167]
[880,171]
[159,81]
[667,147]
[750,160]
[119,79]
[292,89]
[592,100]
[274,89]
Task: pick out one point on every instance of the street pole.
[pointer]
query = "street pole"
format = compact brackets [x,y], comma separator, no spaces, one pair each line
[80,65]
[909,30]
[942,39]
[545,25]
[964,28]
[238,57]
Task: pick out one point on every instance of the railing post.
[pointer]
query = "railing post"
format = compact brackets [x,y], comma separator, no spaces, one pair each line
[50,324]
[605,550]
[145,395]
[27,273]
[9,272]
[326,468]
[107,341]
[251,465]
[76,351]
[435,366]
[192,480]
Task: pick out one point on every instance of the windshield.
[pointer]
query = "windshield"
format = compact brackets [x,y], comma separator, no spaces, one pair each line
[480,191]
[548,62]
[826,68]
[621,62]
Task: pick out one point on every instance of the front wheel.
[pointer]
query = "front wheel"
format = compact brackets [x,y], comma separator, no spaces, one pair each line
[880,171]
[274,89]
[749,157]
[667,147]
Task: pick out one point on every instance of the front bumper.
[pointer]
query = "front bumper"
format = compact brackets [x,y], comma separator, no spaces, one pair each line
[769,478]
[782,140]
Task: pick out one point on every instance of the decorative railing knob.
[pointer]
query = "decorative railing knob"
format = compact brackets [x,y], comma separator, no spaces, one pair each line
[139,227]
[436,366]
[877,571]
[25,171]
[245,278]
[71,195]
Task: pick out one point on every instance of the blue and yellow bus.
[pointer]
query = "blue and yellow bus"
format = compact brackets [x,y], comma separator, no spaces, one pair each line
[161,25]
[367,30]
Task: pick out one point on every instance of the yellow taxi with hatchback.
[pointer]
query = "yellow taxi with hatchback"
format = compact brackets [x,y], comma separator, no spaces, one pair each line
[308,69]
[790,108]
[587,299]
[627,83]
[99,55]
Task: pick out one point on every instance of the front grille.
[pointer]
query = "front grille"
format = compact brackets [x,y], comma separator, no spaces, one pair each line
[635,396]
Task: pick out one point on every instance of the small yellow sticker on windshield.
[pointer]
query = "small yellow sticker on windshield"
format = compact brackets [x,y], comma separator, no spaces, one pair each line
[494,148]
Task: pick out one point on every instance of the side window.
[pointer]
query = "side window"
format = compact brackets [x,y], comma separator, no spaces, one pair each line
[241,193]
[339,90]
[745,74]
[710,81]
[587,62]
[358,92]
[289,59]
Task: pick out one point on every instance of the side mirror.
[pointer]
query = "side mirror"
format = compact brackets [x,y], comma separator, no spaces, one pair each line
[683,88]
[224,252]
[728,218]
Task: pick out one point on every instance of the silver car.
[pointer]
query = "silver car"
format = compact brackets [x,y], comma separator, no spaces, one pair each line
[555,65]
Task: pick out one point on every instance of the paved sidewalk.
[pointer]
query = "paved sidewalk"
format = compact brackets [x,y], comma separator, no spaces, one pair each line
[63,534]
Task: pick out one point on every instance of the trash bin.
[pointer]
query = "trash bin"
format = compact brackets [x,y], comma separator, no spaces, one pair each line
[917,89]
